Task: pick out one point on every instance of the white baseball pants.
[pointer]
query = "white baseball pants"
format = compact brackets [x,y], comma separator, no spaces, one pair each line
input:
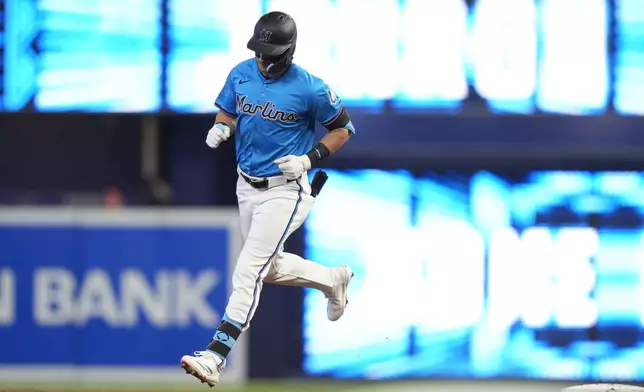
[268,218]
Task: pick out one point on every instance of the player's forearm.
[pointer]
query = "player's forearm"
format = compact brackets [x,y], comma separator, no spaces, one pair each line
[335,139]
[329,144]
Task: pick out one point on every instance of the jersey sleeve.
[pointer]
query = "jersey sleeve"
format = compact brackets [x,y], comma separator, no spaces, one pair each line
[226,99]
[328,109]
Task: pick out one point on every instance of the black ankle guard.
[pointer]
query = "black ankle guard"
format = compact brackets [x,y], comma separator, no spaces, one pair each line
[225,332]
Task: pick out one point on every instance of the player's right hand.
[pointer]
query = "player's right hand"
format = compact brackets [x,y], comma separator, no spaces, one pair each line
[217,134]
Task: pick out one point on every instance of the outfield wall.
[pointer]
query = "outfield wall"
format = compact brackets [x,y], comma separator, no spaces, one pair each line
[99,294]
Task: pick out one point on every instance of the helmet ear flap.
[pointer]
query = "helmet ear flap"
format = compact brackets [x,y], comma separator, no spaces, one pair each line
[294,44]
[289,56]
[291,53]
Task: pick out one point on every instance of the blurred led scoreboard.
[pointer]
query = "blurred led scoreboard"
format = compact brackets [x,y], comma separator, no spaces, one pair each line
[531,274]
[506,56]
[82,55]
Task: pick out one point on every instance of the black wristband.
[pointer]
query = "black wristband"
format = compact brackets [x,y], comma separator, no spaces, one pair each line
[318,153]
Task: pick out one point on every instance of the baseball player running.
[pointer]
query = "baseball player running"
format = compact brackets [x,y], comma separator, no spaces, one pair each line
[271,106]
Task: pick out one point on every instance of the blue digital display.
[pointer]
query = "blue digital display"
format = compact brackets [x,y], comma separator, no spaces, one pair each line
[455,56]
[516,56]
[629,58]
[80,55]
[2,50]
[539,275]
[573,63]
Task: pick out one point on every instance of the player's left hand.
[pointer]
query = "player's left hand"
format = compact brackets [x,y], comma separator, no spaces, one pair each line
[293,166]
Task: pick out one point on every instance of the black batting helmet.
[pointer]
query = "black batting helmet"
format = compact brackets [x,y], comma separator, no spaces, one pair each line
[274,40]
